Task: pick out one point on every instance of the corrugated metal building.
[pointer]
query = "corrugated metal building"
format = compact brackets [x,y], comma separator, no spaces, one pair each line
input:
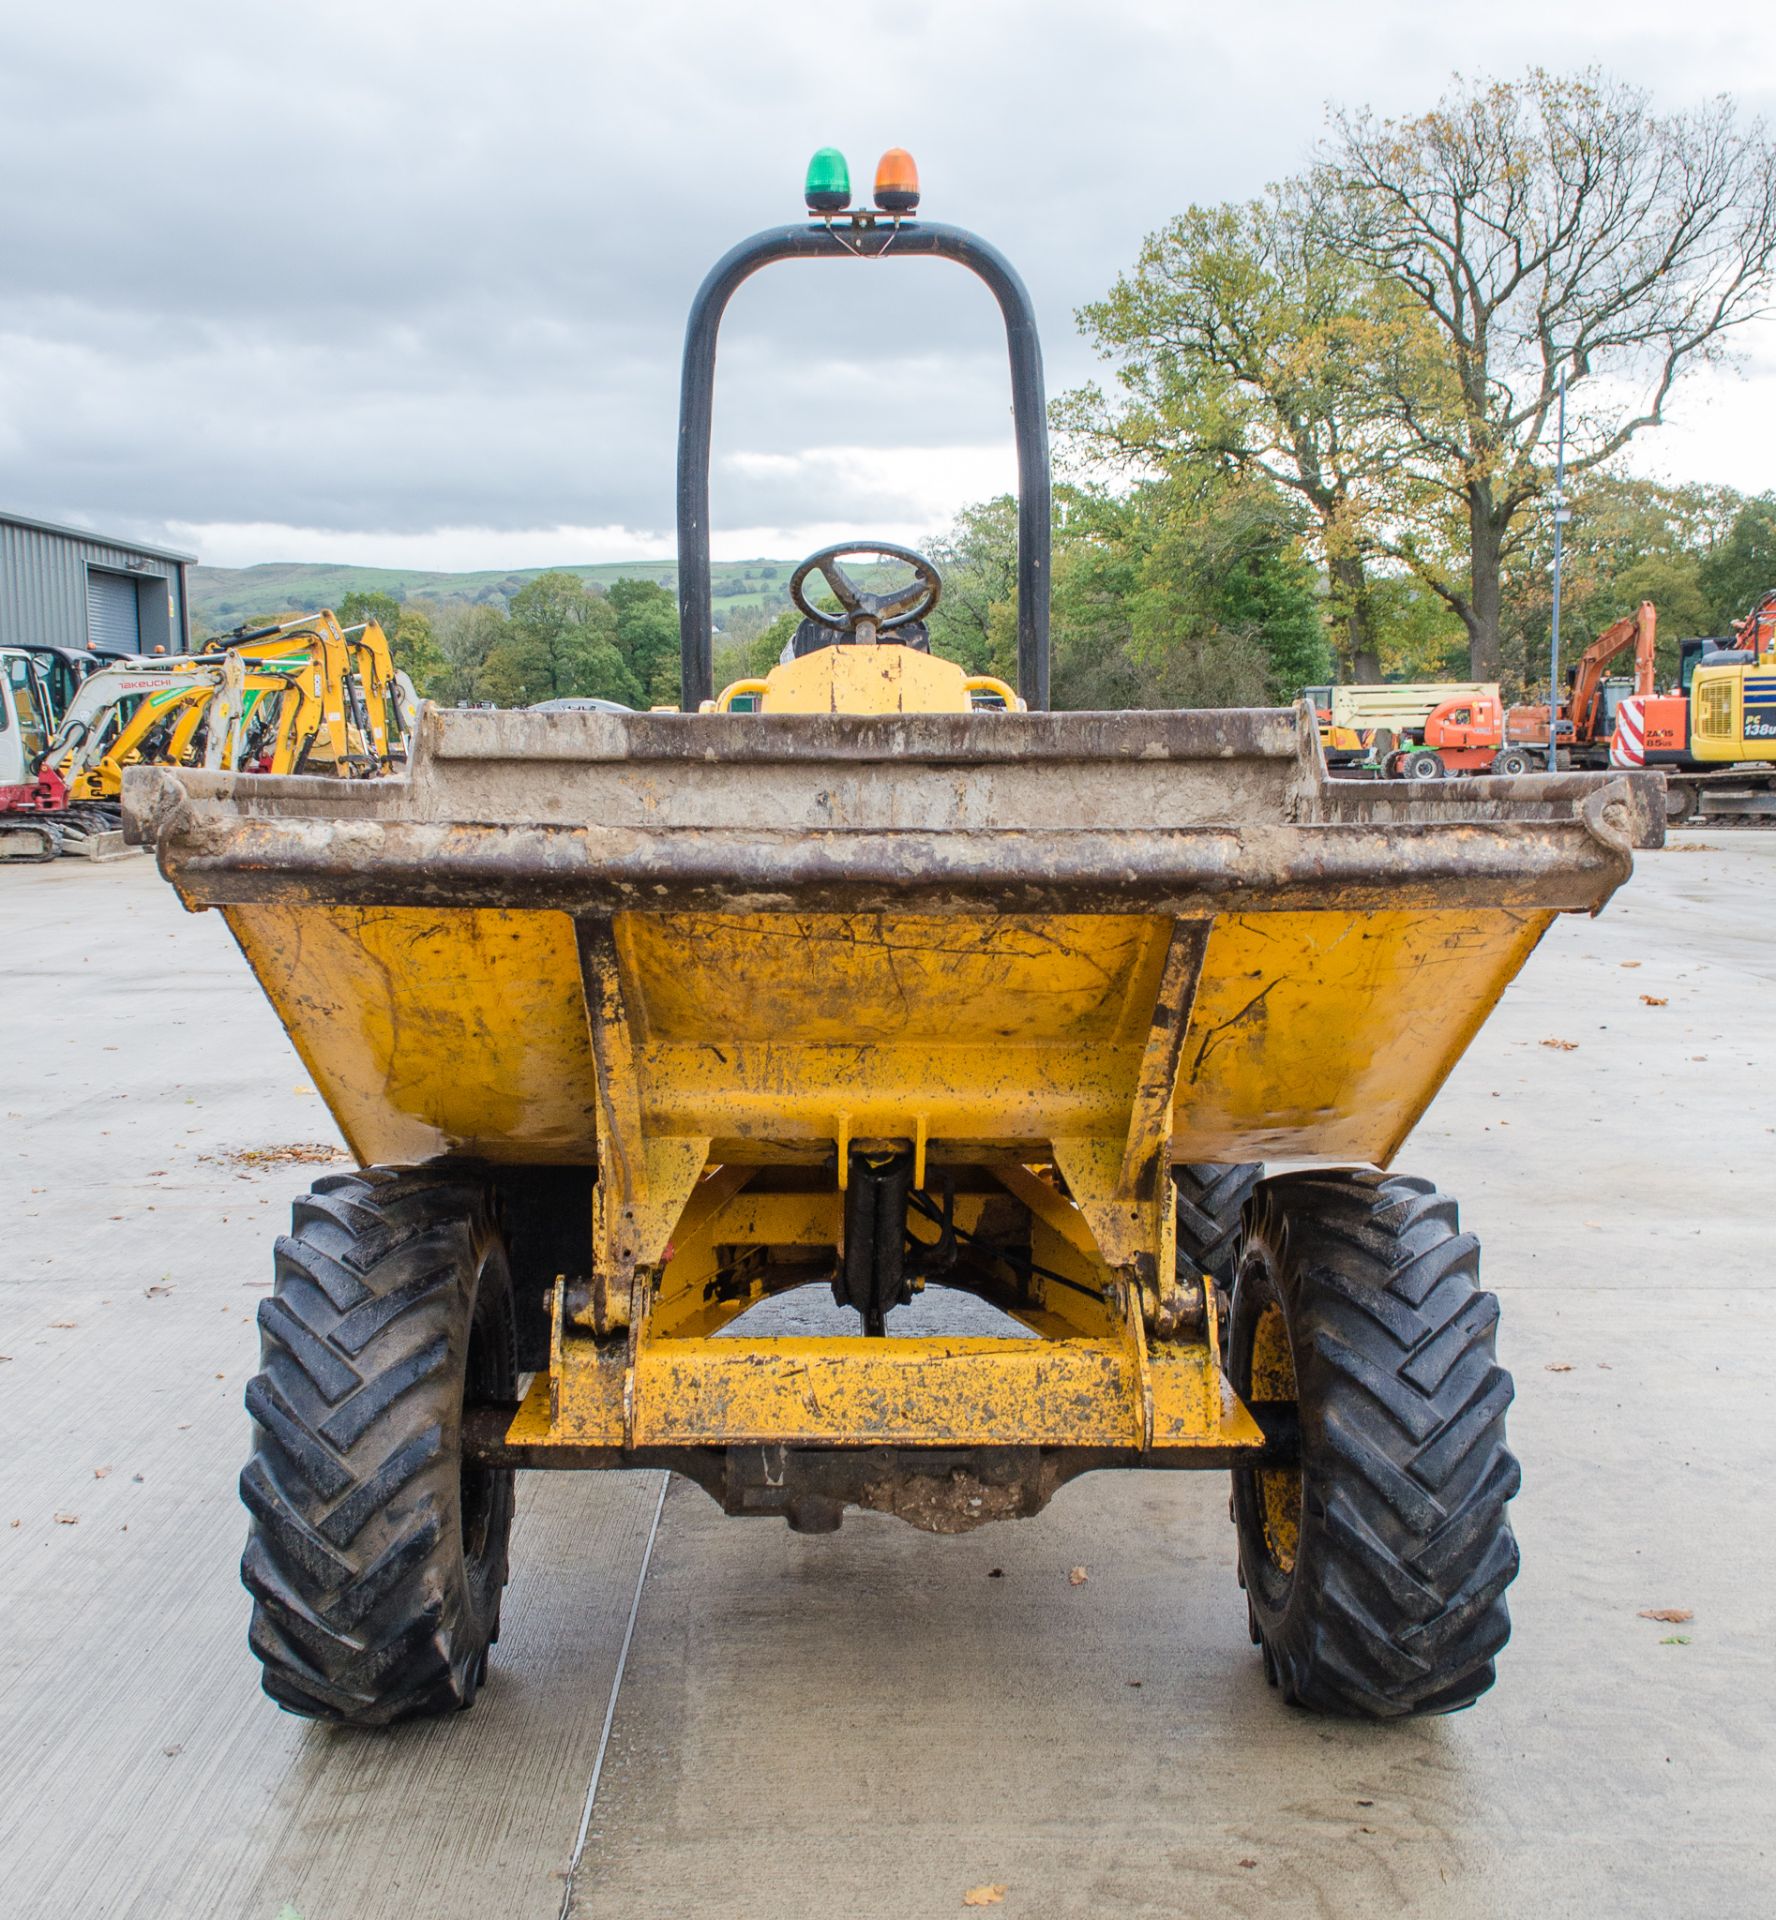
[72,588]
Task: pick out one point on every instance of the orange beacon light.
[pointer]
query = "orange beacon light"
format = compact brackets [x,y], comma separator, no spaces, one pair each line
[897,182]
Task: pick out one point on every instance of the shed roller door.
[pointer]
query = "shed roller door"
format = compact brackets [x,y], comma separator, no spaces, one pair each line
[112,619]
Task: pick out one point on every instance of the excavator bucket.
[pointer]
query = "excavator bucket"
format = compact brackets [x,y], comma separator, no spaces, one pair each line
[893,983]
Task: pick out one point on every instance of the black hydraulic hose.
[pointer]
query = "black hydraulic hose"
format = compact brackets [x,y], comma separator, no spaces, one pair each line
[1012,1258]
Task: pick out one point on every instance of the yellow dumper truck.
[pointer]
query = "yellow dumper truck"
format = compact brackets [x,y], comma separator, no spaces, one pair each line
[893,981]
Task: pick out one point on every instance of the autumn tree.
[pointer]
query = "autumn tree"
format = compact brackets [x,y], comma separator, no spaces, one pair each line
[1246,340]
[1545,228]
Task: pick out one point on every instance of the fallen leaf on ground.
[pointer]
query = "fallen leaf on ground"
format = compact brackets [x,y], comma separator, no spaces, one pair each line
[1078,1577]
[1672,1616]
[1654,1000]
[1248,1863]
[989,1896]
[67,1519]
[100,1472]
[1558,1366]
[150,1293]
[64,1324]
[1562,1046]
[1631,963]
[1675,1640]
[318,1153]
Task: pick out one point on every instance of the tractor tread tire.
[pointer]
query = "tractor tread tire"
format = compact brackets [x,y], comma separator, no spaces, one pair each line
[1211,1201]
[366,1609]
[1396,1605]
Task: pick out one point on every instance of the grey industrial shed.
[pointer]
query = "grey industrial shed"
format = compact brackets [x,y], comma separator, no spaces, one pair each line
[72,588]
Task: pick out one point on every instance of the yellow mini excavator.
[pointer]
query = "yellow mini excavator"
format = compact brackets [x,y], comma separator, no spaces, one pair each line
[305,695]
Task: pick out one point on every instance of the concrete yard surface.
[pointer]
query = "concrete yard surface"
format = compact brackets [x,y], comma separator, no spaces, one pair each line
[877,1722]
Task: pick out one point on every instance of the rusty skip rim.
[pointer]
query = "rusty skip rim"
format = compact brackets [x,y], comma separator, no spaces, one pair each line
[1573,864]
[1231,733]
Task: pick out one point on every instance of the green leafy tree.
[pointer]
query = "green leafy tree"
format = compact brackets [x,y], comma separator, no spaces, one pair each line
[1162,596]
[414,644]
[1226,564]
[1628,540]
[977,559]
[1416,635]
[753,657]
[1741,569]
[360,606]
[646,632]
[466,633]
[559,642]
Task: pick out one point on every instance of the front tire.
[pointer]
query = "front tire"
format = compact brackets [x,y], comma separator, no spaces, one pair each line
[376,1559]
[1375,1572]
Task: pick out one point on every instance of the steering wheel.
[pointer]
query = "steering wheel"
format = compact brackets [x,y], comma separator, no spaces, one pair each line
[865,615]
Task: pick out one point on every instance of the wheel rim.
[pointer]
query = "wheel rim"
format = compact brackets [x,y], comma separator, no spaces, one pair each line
[483,1382]
[1267,1501]
[1278,1488]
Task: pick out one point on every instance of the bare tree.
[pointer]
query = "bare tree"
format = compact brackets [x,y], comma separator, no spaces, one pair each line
[1547,226]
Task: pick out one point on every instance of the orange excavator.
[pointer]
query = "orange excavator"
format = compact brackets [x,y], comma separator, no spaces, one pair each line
[1477,733]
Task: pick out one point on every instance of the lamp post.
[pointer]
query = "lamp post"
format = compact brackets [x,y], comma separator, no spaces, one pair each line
[1562,514]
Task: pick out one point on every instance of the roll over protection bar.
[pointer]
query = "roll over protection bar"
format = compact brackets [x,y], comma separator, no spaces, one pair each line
[842,240]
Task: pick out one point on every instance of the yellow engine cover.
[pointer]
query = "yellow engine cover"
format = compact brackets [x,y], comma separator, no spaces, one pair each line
[883,678]
[1733,714]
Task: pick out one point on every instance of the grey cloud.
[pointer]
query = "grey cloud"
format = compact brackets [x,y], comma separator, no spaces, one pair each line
[407,266]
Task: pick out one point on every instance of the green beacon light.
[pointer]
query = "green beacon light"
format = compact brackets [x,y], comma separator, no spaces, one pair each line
[828,188]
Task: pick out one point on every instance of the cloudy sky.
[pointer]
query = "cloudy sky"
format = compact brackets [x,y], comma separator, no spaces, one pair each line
[405,283]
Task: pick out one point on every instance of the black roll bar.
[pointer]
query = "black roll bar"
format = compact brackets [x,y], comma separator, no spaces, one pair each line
[841,240]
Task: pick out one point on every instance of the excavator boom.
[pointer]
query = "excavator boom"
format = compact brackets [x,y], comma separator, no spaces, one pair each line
[1640,630]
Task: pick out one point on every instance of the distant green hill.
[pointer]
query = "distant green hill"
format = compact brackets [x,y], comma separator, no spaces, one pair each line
[223,597]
